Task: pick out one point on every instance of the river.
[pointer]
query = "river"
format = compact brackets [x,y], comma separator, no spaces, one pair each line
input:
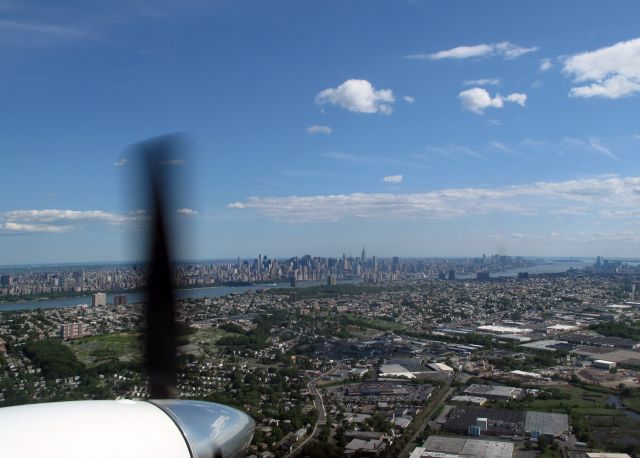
[193,293]
[217,291]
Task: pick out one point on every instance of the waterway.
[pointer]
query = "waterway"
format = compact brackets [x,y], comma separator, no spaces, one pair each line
[617,403]
[191,293]
[217,291]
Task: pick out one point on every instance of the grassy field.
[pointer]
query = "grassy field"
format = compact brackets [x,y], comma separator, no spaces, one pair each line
[372,323]
[95,349]
[578,398]
[203,340]
[588,411]
[633,402]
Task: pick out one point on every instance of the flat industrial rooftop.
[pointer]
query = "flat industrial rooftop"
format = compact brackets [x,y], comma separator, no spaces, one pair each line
[469,447]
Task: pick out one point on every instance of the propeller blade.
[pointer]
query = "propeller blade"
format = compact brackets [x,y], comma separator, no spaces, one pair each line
[160,343]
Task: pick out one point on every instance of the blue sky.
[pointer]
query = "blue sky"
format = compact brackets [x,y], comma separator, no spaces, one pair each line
[416,128]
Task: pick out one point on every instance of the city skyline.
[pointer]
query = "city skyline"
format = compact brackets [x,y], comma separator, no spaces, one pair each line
[417,128]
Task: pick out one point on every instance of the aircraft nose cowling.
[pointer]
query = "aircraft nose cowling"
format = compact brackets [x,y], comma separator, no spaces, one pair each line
[211,430]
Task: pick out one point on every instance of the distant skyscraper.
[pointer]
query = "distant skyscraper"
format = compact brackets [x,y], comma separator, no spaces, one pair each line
[99,299]
[120,299]
[452,274]
[483,276]
[364,256]
[332,280]
[375,264]
[293,281]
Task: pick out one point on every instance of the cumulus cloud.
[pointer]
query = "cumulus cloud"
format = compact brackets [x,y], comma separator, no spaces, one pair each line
[358,96]
[545,65]
[317,129]
[186,212]
[504,49]
[598,197]
[393,179]
[612,72]
[409,99]
[482,82]
[478,99]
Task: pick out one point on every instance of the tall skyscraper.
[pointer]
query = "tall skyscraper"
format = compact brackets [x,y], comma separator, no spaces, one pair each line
[364,256]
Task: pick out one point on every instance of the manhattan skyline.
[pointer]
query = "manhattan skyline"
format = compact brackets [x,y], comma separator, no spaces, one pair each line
[319,129]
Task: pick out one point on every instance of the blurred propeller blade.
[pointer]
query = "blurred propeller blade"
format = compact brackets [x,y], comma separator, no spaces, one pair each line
[160,343]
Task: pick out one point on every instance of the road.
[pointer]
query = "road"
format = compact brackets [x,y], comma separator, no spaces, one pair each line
[319,403]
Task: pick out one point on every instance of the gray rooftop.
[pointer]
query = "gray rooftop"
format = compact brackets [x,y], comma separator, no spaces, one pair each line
[546,423]
[479,448]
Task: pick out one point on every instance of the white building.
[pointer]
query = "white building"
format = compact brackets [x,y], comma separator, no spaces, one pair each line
[99,299]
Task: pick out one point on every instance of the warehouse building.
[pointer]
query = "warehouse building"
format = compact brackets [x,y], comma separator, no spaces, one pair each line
[497,392]
[454,447]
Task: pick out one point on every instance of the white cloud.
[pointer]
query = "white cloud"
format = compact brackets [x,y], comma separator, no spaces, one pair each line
[358,96]
[453,151]
[393,179]
[516,97]
[121,162]
[598,197]
[545,64]
[186,212]
[478,99]
[613,71]
[409,99]
[482,82]
[16,31]
[566,145]
[22,228]
[56,221]
[317,129]
[53,215]
[504,49]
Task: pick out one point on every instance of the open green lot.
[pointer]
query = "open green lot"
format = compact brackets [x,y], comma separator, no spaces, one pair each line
[203,341]
[592,416]
[372,323]
[96,349]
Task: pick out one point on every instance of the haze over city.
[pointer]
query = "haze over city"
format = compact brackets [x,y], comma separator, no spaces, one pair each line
[422,129]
